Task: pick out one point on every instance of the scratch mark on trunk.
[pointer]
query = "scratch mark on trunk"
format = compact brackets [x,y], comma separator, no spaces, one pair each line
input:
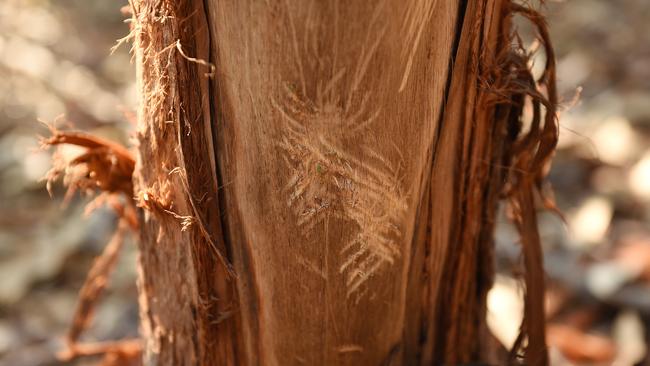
[417,16]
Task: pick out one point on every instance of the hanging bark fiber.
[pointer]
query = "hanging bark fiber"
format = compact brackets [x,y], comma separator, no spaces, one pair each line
[319,179]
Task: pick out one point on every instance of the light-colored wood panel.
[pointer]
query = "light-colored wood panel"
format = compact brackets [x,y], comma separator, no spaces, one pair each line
[326,120]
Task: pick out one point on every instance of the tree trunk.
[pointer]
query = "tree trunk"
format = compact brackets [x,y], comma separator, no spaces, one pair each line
[320,180]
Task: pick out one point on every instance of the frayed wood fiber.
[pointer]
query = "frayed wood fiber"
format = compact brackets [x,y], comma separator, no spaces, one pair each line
[104,169]
[317,182]
[176,174]
[300,122]
[500,75]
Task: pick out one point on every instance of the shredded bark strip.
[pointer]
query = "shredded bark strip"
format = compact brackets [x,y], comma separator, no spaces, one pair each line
[484,148]
[105,168]
[528,159]
[95,285]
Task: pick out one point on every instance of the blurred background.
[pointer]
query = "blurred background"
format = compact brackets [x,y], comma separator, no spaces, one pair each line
[54,60]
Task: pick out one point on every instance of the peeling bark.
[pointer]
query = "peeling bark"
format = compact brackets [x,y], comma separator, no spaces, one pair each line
[319,179]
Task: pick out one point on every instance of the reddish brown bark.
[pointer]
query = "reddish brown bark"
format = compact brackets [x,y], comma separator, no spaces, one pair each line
[327,194]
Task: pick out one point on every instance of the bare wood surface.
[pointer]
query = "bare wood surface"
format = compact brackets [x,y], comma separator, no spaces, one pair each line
[344,158]
[326,117]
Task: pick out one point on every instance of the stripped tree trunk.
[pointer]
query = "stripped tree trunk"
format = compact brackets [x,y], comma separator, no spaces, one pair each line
[320,179]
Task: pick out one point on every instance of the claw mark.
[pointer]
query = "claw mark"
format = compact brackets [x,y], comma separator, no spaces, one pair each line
[347,348]
[328,181]
[312,267]
[334,175]
[294,39]
[366,55]
[417,16]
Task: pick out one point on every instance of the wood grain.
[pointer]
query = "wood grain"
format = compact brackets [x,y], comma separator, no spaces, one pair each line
[343,158]
[324,156]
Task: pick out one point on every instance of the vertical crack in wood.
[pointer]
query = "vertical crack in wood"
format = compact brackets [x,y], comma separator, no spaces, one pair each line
[493,161]
[174,133]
